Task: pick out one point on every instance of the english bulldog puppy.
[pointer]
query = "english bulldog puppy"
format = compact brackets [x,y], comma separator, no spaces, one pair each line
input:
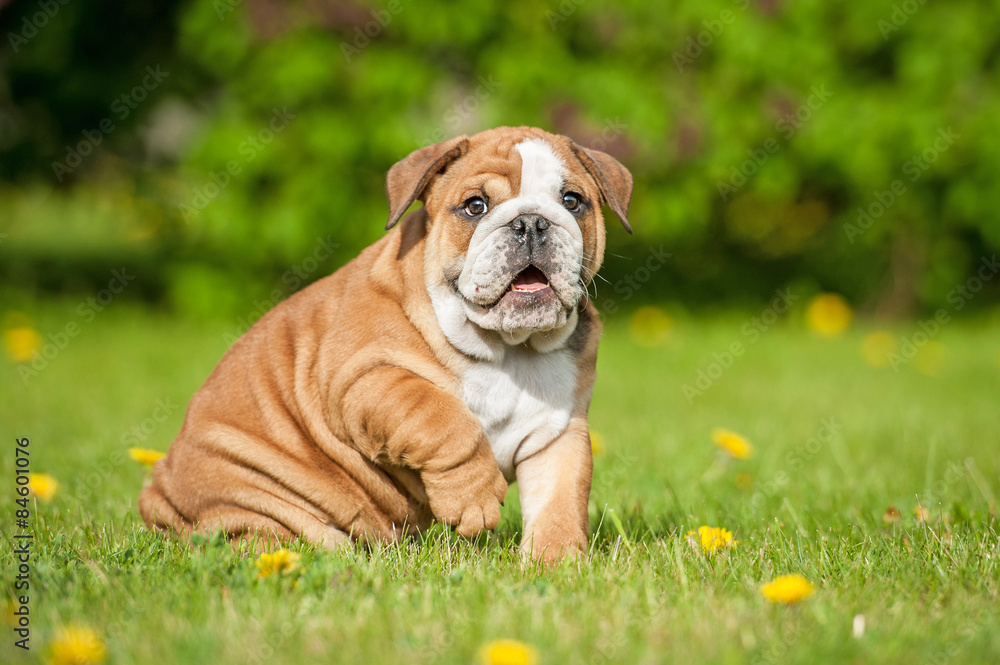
[454,356]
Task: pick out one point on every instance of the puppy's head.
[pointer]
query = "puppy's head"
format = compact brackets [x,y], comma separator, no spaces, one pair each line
[515,223]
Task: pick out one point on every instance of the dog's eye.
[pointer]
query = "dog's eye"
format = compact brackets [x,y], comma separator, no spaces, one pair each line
[475,206]
[572,201]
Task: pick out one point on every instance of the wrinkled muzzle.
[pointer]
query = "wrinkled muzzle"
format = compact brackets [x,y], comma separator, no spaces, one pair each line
[522,276]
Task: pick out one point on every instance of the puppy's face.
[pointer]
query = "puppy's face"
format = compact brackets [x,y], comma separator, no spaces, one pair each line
[516,230]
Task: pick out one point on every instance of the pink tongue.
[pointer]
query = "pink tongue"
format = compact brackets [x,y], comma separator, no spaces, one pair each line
[530,280]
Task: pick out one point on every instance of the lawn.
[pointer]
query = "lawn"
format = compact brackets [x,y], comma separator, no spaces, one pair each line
[845,455]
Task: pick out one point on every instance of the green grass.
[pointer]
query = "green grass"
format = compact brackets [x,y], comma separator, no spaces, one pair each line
[930,593]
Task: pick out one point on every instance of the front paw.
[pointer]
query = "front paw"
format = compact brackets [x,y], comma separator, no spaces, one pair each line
[552,545]
[468,496]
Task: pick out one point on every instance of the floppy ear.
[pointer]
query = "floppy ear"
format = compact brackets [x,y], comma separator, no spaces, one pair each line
[408,178]
[613,179]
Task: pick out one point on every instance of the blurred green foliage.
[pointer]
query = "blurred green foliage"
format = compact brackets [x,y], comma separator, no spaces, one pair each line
[847,146]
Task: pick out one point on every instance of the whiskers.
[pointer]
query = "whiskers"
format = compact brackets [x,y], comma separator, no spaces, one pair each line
[589,277]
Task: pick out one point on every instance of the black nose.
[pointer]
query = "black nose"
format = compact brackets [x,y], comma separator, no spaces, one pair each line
[530,228]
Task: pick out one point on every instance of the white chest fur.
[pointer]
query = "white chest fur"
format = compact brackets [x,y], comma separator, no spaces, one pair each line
[524,401]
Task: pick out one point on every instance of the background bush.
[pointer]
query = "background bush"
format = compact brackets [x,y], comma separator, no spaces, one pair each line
[755,131]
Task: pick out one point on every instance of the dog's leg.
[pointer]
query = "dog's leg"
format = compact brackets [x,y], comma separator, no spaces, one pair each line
[555,486]
[418,425]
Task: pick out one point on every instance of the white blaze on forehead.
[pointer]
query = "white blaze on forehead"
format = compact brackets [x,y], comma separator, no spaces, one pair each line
[542,172]
[543,176]
[492,260]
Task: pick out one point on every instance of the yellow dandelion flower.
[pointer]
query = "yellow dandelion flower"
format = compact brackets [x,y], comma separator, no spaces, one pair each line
[596,443]
[732,443]
[929,359]
[507,652]
[76,645]
[787,589]
[877,347]
[710,539]
[145,455]
[43,486]
[281,562]
[828,314]
[22,343]
[923,515]
[650,326]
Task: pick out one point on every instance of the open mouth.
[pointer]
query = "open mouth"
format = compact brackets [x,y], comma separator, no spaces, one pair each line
[528,288]
[530,280]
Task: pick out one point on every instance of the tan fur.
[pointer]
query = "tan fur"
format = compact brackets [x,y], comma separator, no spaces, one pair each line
[339,415]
